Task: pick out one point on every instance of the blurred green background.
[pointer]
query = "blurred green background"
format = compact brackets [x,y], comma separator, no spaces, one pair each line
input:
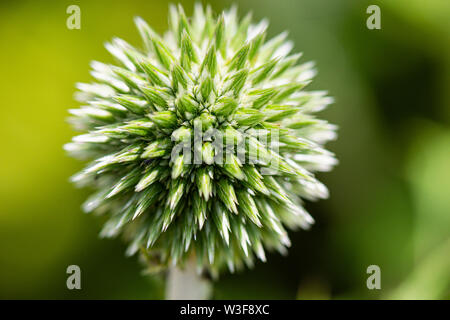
[390,194]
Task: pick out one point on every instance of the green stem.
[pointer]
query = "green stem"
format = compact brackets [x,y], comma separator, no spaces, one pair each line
[186,284]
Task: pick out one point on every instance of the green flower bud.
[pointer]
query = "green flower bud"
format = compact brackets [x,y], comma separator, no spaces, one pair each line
[204,143]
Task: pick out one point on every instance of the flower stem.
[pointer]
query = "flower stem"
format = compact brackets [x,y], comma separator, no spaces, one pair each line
[186,284]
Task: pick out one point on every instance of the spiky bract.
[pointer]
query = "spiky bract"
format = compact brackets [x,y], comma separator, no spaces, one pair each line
[204,74]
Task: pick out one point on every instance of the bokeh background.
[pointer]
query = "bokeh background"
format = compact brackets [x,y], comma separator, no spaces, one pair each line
[390,194]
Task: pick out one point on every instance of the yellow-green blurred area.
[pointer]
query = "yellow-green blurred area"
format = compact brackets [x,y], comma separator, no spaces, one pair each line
[390,194]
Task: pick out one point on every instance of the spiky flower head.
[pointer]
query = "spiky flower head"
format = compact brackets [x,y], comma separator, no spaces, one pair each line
[204,142]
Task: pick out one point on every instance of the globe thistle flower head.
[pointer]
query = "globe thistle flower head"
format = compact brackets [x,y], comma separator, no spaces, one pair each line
[204,142]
